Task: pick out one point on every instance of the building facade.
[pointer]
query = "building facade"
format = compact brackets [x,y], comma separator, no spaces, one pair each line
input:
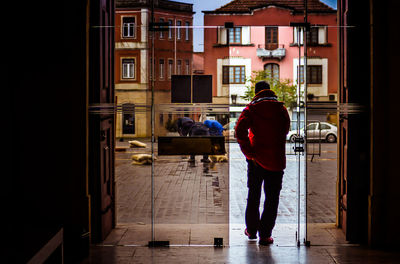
[262,39]
[141,62]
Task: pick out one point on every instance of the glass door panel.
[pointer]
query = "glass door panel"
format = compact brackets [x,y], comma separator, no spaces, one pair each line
[177,197]
[322,98]
[190,170]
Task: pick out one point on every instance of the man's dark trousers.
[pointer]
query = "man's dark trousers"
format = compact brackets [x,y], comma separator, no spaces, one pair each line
[256,175]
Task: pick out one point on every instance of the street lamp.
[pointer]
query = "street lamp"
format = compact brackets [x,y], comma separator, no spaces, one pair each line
[234,98]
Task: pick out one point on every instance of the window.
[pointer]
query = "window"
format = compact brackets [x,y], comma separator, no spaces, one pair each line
[314,74]
[233,74]
[170,68]
[128,68]
[161,32]
[128,26]
[170,29]
[271,38]
[187,67]
[312,126]
[298,35]
[161,69]
[179,67]
[178,29]
[235,35]
[325,126]
[316,36]
[301,73]
[272,70]
[187,24]
[151,68]
[312,36]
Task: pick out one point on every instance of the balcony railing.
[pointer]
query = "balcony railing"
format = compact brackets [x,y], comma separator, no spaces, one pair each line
[271,51]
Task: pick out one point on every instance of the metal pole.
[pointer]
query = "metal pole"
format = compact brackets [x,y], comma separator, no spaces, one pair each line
[305,121]
[152,121]
[298,133]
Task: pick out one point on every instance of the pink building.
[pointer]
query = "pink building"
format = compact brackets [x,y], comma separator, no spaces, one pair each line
[262,38]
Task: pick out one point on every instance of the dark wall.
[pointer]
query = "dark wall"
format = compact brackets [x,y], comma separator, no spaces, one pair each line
[46,68]
[373,171]
[385,92]
[357,85]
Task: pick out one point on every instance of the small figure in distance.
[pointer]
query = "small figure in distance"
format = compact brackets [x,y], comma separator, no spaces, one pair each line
[187,127]
[183,125]
[199,129]
[215,127]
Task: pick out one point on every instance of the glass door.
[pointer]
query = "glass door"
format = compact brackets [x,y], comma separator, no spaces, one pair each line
[189,107]
[177,185]
[297,135]
[321,135]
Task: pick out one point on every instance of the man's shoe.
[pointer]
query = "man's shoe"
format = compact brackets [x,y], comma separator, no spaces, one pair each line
[250,236]
[266,241]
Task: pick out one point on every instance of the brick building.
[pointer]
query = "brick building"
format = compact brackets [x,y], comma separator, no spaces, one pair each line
[171,54]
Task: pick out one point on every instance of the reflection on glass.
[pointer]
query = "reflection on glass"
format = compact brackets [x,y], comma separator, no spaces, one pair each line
[160,71]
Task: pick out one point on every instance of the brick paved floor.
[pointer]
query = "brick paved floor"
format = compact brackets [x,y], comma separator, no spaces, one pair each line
[209,197]
[321,187]
[182,194]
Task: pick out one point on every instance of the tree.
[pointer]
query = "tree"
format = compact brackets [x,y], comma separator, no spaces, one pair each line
[283,88]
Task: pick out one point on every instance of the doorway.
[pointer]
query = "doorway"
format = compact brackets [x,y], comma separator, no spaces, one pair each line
[162,198]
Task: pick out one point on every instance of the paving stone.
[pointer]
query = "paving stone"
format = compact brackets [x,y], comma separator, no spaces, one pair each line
[216,193]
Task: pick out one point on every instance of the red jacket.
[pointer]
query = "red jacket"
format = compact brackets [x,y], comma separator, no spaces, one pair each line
[261,131]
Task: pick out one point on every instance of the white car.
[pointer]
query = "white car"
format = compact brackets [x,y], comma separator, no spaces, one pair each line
[316,131]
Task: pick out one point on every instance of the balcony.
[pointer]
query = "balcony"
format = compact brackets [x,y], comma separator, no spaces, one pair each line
[271,51]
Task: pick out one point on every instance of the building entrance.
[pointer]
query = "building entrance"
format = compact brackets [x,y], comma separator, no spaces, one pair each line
[180,188]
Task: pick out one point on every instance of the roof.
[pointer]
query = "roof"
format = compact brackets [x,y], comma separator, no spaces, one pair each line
[160,4]
[247,6]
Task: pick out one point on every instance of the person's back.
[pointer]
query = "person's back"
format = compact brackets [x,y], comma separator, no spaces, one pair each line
[184,125]
[215,127]
[268,123]
[261,133]
[199,129]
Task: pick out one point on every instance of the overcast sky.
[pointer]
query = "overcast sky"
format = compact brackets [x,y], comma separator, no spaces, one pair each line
[207,5]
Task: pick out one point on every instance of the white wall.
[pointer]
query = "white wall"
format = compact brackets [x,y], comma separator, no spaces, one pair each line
[228,89]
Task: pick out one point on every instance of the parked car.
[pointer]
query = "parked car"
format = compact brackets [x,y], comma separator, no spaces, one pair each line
[229,131]
[316,131]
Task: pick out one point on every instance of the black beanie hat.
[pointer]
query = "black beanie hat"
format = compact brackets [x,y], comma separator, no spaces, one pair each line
[261,85]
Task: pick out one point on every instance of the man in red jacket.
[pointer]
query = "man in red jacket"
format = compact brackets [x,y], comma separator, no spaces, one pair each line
[261,133]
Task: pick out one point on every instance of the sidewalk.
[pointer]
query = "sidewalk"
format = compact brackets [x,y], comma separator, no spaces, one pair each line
[208,200]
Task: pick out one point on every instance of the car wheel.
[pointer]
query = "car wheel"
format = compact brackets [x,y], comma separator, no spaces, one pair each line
[292,138]
[331,138]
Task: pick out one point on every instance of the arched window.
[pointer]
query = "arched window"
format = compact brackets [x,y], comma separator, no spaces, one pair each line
[272,70]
